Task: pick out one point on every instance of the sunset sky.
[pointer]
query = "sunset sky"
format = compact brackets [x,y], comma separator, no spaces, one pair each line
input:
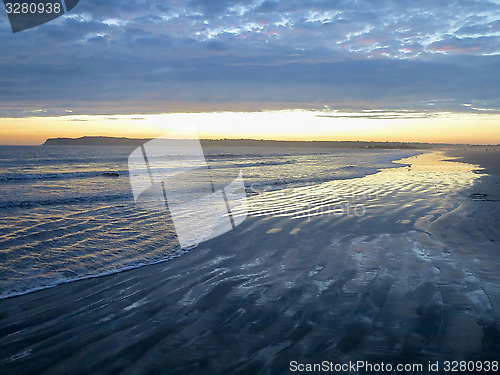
[425,71]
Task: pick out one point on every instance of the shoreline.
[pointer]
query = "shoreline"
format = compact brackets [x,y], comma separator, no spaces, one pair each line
[275,290]
[252,189]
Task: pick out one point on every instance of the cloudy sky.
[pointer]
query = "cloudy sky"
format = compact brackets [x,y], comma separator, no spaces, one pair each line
[119,57]
[156,55]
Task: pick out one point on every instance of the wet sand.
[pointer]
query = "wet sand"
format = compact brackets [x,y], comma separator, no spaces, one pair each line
[411,278]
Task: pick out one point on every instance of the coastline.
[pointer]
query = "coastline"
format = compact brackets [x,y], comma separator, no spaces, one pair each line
[239,143]
[275,289]
[73,215]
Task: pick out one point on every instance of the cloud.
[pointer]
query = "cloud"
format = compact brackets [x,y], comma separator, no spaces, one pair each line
[467,45]
[150,54]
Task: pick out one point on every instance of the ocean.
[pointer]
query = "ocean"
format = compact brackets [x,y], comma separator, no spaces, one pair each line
[68,213]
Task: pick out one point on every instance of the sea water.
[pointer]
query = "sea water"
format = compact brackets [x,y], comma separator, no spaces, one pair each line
[68,213]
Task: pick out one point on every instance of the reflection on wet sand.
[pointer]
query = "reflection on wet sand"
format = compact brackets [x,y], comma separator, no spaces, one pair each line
[294,285]
[432,177]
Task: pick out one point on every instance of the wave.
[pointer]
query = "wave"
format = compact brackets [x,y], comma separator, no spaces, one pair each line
[252,164]
[61,175]
[252,188]
[258,185]
[65,201]
[254,185]
[60,281]
[209,155]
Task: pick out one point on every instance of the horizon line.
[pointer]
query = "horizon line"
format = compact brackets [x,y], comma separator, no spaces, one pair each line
[264,140]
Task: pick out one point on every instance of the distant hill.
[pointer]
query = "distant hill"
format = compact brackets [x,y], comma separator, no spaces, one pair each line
[135,142]
[94,141]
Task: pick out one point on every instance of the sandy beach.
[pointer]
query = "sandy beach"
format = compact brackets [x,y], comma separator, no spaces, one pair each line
[399,266]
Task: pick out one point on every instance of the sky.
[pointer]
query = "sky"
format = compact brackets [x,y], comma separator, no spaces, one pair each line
[369,70]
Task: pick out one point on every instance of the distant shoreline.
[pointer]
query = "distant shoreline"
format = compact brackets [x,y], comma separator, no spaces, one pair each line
[122,141]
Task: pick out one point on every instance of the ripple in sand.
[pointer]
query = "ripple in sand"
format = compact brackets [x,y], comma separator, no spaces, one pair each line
[433,178]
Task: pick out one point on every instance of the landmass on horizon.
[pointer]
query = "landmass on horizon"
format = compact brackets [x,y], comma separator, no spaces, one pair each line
[226,142]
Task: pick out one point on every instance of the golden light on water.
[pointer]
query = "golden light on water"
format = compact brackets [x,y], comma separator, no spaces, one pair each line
[278,125]
[431,176]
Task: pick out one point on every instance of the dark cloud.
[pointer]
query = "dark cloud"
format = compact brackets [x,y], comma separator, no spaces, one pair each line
[129,55]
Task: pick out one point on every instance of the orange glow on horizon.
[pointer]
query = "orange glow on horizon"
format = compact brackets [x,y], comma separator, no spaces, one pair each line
[278,125]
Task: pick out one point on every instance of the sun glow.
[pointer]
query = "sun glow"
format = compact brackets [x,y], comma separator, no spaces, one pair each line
[280,125]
